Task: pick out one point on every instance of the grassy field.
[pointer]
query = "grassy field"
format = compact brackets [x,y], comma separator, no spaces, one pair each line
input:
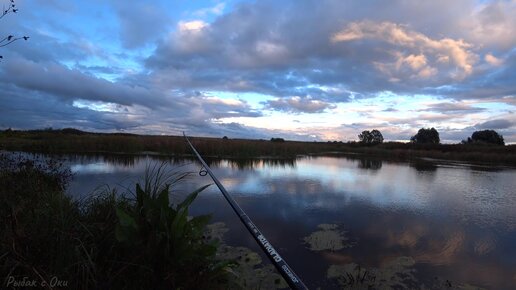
[75,141]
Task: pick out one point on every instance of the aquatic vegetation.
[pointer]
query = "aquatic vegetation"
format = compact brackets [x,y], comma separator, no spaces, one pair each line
[398,273]
[328,238]
[216,231]
[250,272]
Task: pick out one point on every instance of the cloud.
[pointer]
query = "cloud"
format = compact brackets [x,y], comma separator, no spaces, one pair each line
[390,110]
[494,84]
[51,95]
[298,105]
[213,107]
[496,124]
[140,22]
[25,110]
[493,24]
[448,53]
[70,84]
[453,107]
[492,60]
[303,57]
[217,9]
[262,48]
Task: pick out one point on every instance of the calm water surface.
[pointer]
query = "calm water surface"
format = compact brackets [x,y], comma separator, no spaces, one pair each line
[419,224]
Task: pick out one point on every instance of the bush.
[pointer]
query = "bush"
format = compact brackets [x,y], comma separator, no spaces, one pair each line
[105,242]
[277,140]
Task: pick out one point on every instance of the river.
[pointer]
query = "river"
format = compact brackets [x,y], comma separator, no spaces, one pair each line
[351,221]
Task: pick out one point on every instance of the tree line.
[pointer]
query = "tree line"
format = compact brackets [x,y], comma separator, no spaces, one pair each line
[431,136]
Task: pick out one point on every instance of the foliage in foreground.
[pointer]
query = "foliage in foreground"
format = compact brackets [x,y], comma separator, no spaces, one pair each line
[105,242]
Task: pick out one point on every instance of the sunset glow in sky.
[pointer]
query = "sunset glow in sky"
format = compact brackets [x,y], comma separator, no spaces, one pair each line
[303,70]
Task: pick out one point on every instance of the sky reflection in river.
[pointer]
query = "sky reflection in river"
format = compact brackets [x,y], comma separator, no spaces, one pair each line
[455,222]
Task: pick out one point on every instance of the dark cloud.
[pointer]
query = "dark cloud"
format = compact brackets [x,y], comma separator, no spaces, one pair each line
[140,22]
[24,110]
[453,107]
[50,95]
[390,110]
[496,124]
[236,130]
[70,84]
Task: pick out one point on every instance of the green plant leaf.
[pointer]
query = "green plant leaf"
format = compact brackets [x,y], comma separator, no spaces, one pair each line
[125,219]
[163,196]
[139,195]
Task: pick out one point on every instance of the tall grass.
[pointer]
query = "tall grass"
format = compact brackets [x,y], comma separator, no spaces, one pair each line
[105,242]
[74,141]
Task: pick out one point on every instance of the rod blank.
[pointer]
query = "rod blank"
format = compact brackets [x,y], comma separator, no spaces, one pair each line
[283,268]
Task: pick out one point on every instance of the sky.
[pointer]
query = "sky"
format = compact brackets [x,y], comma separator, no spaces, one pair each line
[299,69]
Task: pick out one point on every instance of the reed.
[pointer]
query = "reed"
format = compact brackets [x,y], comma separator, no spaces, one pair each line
[108,241]
[75,141]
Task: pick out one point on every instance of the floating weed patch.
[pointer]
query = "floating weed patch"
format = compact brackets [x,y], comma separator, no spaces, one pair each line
[250,273]
[396,274]
[328,238]
[215,231]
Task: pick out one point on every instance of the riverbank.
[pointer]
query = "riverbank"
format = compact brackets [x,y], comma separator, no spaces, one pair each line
[75,141]
[107,241]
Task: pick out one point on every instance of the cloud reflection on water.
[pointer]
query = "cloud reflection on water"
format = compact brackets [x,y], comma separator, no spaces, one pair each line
[455,221]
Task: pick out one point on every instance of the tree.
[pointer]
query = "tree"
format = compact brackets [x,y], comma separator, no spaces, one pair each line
[277,140]
[426,136]
[370,137]
[10,38]
[486,137]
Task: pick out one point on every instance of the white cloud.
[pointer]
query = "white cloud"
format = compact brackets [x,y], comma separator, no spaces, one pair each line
[493,60]
[191,26]
[218,9]
[190,37]
[297,104]
[444,50]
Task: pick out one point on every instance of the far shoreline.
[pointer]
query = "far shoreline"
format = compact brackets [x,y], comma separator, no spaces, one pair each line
[73,141]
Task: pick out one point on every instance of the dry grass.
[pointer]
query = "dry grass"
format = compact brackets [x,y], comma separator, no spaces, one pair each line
[74,141]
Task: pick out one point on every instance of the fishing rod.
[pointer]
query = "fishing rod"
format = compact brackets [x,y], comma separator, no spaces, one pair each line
[283,268]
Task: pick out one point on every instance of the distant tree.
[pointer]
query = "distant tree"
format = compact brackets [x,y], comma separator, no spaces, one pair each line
[485,137]
[370,137]
[426,136]
[225,138]
[10,38]
[377,136]
[277,140]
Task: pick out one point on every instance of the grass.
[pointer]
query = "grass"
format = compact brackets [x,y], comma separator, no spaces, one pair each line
[75,141]
[109,241]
